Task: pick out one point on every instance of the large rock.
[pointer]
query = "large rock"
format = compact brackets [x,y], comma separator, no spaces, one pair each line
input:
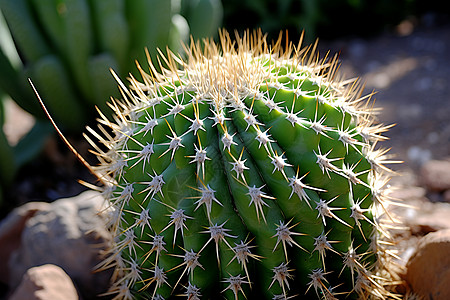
[428,269]
[11,230]
[70,233]
[46,282]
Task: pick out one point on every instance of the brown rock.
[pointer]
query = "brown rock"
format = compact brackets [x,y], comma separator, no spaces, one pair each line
[436,175]
[428,269]
[11,230]
[70,234]
[46,282]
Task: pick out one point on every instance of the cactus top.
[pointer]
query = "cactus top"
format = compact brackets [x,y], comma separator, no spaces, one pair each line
[244,169]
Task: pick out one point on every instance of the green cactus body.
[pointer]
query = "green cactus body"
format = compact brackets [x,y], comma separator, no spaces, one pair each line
[244,172]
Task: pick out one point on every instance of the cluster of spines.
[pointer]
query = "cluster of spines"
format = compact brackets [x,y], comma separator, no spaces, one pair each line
[175,183]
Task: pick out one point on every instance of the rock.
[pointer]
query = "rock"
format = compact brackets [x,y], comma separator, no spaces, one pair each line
[46,282]
[10,231]
[428,269]
[436,175]
[422,216]
[70,234]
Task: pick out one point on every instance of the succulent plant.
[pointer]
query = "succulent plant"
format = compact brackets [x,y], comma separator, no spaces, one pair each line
[68,46]
[247,170]
[13,157]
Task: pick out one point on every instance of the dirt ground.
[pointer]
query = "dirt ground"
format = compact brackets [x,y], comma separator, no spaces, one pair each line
[410,71]
[411,76]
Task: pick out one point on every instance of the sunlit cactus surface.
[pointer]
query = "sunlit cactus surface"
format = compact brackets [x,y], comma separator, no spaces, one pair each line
[244,170]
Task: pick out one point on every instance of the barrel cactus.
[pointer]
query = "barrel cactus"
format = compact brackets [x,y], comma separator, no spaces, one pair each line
[244,170]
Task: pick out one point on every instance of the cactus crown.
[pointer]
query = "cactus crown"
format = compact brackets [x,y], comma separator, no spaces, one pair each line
[245,170]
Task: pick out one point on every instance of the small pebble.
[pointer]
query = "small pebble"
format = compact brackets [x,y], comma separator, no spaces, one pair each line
[46,282]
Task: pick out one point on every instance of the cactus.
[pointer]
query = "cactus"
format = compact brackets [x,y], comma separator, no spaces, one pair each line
[245,171]
[67,48]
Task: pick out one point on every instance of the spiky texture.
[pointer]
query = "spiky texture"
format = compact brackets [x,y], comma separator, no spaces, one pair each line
[246,170]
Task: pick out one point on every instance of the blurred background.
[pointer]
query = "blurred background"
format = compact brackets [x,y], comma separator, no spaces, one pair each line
[401,49]
[328,19]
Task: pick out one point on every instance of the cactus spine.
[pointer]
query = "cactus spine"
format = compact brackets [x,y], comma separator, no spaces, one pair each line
[244,171]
